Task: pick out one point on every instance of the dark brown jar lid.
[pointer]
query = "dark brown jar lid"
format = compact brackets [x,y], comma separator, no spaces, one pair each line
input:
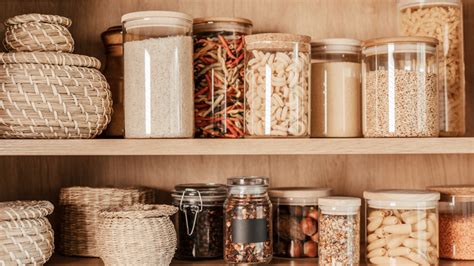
[112,36]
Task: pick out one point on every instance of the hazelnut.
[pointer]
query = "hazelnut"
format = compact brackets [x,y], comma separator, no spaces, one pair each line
[313,213]
[295,249]
[310,249]
[308,226]
[315,237]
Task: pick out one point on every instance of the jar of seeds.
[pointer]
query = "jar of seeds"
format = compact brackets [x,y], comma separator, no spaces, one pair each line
[248,221]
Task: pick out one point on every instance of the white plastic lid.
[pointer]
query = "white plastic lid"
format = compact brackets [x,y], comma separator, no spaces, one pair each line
[402,4]
[339,205]
[336,45]
[298,195]
[156,18]
[401,199]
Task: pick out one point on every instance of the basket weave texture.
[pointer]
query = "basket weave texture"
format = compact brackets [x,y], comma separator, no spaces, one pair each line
[79,211]
[137,235]
[26,236]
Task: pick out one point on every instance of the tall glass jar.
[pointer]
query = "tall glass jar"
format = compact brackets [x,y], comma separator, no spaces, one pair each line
[336,88]
[443,20]
[219,59]
[400,87]
[402,227]
[158,69]
[277,89]
[248,221]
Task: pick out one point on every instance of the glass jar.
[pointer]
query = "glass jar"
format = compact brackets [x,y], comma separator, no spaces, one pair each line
[295,221]
[443,20]
[219,76]
[248,221]
[336,88]
[400,87]
[402,227]
[277,88]
[456,222]
[339,231]
[158,69]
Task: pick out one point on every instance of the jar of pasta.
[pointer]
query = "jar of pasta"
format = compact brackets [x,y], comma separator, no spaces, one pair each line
[277,89]
[443,20]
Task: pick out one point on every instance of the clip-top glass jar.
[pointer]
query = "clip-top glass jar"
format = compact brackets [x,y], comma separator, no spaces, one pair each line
[248,221]
[199,220]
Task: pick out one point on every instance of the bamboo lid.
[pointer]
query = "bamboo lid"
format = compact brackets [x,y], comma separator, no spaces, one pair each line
[277,37]
[400,40]
[402,4]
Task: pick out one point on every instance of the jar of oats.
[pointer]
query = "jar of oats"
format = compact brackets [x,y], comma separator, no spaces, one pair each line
[443,20]
[277,89]
[400,87]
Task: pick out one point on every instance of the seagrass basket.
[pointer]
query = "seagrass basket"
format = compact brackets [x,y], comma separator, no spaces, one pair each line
[26,236]
[137,235]
[79,214]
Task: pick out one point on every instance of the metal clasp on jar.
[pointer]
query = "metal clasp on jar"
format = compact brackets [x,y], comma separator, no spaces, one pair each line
[195,209]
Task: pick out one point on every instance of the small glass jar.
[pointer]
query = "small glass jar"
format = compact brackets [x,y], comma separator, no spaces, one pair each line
[443,20]
[400,87]
[277,89]
[295,221]
[402,227]
[336,89]
[199,220]
[219,59]
[248,221]
[158,71]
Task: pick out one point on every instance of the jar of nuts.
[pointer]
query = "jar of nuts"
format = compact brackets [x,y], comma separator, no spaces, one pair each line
[402,227]
[295,221]
[277,89]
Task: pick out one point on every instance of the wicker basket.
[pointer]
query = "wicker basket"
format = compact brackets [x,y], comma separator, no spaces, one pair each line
[38,33]
[26,236]
[79,208]
[137,235]
[52,95]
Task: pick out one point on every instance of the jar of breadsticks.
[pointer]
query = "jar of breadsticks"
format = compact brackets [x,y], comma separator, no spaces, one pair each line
[442,19]
[277,91]
[402,227]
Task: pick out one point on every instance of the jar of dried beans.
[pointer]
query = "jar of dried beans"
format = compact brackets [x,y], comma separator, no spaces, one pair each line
[199,220]
[277,85]
[443,20]
[295,221]
[400,87]
[248,221]
[219,59]
[402,227]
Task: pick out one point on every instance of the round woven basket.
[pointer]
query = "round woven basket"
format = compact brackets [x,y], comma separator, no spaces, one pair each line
[38,33]
[52,95]
[79,214]
[137,235]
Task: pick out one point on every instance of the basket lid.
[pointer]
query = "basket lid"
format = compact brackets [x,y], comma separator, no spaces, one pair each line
[35,17]
[139,211]
[18,210]
[50,58]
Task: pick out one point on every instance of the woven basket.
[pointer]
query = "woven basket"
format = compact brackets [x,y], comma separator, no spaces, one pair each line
[137,235]
[52,95]
[38,33]
[26,236]
[79,208]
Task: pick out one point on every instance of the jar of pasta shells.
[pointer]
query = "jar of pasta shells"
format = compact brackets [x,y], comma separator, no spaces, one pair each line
[402,227]
[277,90]
[443,20]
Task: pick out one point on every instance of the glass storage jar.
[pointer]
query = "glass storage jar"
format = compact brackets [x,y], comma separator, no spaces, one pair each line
[219,59]
[248,221]
[402,227]
[158,70]
[339,231]
[400,87]
[295,221]
[277,89]
[199,220]
[456,222]
[336,88]
[443,20]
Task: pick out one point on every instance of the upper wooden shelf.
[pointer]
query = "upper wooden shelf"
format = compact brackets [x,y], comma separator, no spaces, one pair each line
[235,147]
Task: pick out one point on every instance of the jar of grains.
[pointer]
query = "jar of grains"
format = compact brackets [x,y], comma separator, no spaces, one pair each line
[248,221]
[219,76]
[199,220]
[158,69]
[443,20]
[336,88]
[277,85]
[295,221]
[402,227]
[456,222]
[339,231]
[400,87]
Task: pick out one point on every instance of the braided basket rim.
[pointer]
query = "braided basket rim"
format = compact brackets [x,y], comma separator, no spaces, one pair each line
[50,58]
[40,18]
[17,210]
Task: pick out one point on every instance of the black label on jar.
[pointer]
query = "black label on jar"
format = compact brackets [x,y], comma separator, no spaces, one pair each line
[249,231]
